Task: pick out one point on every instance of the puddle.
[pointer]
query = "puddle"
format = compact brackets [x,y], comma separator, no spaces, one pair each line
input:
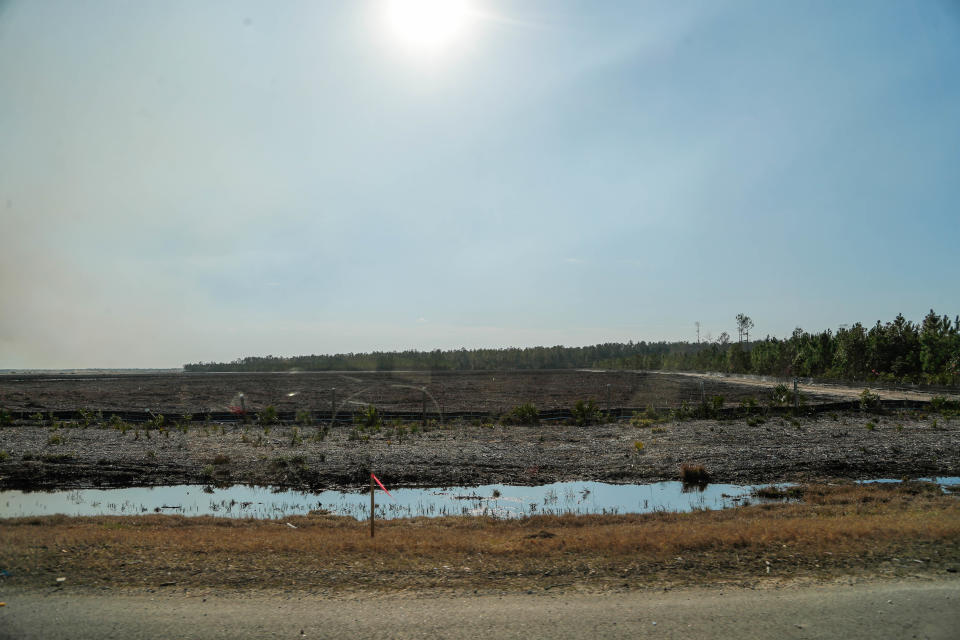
[501,501]
[948,484]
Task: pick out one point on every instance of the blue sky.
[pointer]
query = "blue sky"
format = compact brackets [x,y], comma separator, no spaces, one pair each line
[188,181]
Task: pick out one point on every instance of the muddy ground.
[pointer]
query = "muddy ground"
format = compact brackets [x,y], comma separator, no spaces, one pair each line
[852,445]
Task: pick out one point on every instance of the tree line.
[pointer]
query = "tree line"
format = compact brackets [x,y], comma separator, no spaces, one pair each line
[895,351]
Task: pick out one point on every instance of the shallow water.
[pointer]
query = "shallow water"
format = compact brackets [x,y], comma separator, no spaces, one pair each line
[502,501]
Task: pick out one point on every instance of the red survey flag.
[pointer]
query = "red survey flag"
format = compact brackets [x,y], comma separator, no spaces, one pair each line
[381,485]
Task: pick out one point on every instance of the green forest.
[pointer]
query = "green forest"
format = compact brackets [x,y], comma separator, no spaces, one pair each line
[895,351]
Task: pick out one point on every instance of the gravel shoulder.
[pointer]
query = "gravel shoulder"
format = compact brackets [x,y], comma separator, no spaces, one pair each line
[898,609]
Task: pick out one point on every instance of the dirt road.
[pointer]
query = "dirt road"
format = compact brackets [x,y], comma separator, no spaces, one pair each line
[906,609]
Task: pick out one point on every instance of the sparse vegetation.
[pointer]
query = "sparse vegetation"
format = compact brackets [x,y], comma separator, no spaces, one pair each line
[268,416]
[869,401]
[369,417]
[523,414]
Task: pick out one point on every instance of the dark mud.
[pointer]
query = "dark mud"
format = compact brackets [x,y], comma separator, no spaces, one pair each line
[850,445]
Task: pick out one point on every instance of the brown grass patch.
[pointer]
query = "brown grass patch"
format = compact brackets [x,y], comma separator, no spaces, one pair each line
[694,474]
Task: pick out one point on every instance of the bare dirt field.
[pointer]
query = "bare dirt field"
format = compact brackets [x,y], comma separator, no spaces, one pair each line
[493,392]
[850,445]
[45,454]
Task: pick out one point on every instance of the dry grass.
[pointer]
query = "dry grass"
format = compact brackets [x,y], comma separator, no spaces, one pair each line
[838,529]
[694,474]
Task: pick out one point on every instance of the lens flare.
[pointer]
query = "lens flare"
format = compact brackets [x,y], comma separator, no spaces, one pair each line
[427,25]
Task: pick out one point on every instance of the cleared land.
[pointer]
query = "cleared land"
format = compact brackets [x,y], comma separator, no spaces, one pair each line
[46,454]
[493,392]
[850,445]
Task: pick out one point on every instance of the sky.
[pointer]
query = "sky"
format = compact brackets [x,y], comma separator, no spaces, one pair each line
[201,181]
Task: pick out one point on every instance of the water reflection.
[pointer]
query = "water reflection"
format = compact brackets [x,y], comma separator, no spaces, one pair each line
[500,501]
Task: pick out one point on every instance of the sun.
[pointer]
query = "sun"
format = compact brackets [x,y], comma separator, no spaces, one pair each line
[427,25]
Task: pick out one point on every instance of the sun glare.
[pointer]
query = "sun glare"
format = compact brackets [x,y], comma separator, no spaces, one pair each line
[427,25]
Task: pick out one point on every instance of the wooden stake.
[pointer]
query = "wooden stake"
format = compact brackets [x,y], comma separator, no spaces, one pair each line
[372,506]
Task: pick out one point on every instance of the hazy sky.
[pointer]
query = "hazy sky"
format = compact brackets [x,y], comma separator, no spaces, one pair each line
[184,181]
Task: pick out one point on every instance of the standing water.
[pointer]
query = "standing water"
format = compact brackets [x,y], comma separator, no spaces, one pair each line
[500,501]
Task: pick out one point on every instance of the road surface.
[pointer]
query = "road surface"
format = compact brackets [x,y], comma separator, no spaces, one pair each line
[914,609]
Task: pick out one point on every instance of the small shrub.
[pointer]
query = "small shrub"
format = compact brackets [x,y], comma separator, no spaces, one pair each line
[208,471]
[523,414]
[55,439]
[869,400]
[151,454]
[658,430]
[221,459]
[585,413]
[781,395]
[694,474]
[37,417]
[941,404]
[295,439]
[650,413]
[268,415]
[755,421]
[684,411]
[716,404]
[871,426]
[6,418]
[638,446]
[369,417]
[4,456]
[304,418]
